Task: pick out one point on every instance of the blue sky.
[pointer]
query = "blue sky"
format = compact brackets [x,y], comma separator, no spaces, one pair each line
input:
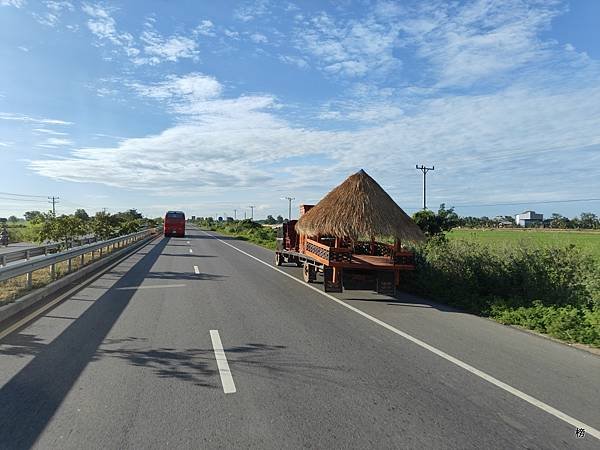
[213,106]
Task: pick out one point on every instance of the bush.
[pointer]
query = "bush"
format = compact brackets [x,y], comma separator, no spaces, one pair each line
[570,323]
[246,230]
[553,290]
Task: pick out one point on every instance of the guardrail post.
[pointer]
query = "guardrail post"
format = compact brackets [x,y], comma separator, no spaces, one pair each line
[70,265]
[27,255]
[82,261]
[100,252]
[53,271]
[3,261]
[29,279]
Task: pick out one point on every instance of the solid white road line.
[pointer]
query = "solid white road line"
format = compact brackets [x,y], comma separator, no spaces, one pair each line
[222,364]
[196,270]
[522,395]
[156,286]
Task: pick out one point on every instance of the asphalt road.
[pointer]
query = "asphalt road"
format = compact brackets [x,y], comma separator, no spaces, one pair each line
[15,247]
[132,360]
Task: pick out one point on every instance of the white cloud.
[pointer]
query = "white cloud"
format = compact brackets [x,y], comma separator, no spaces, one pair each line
[159,48]
[15,3]
[252,9]
[155,48]
[54,11]
[294,61]
[103,25]
[188,90]
[25,118]
[206,28]
[49,131]
[479,39]
[352,48]
[231,34]
[241,142]
[258,38]
[55,143]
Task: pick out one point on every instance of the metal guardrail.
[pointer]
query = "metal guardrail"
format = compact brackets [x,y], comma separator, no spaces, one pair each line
[27,267]
[31,252]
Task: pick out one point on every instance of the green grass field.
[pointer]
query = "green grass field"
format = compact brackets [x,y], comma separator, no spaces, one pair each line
[587,240]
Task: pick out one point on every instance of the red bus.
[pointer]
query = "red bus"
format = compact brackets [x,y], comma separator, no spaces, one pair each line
[174,224]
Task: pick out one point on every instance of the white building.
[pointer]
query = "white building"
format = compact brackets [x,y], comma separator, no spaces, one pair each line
[529,219]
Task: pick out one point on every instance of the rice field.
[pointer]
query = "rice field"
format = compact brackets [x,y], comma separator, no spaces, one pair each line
[588,240]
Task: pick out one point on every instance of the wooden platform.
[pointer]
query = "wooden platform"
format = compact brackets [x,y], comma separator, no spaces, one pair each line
[371,263]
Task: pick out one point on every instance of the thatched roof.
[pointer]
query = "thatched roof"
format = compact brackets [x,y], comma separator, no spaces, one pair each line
[357,208]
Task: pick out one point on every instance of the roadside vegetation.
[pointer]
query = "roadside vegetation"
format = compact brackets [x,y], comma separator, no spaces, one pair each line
[38,227]
[535,279]
[66,229]
[246,230]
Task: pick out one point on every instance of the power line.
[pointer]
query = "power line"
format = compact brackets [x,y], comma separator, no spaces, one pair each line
[22,200]
[22,195]
[535,203]
[543,202]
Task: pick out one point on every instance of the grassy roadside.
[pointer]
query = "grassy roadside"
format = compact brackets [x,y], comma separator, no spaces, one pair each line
[244,230]
[22,232]
[554,290]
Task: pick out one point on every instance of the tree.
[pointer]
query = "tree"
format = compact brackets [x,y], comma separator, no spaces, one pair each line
[279,219]
[82,214]
[33,216]
[558,221]
[13,219]
[270,220]
[103,225]
[434,224]
[586,220]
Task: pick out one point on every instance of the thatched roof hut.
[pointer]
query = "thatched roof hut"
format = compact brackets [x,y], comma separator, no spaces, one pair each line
[359,208]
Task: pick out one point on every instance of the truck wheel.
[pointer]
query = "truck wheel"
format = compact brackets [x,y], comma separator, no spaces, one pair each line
[306,273]
[278,259]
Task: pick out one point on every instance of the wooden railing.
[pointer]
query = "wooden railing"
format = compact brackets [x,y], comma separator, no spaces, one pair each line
[328,254]
[381,249]
[325,254]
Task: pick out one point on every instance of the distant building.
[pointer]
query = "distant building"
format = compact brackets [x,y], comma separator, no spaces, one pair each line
[529,219]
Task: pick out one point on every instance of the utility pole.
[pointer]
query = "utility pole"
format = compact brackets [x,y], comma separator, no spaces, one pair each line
[244,215]
[235,214]
[251,211]
[289,199]
[54,201]
[424,169]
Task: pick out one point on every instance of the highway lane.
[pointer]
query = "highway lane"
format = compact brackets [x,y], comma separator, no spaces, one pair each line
[128,362]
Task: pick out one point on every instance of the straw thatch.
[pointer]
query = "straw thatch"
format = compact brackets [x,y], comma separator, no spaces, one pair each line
[359,208]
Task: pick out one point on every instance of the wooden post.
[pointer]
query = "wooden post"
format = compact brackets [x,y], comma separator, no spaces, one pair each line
[70,265]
